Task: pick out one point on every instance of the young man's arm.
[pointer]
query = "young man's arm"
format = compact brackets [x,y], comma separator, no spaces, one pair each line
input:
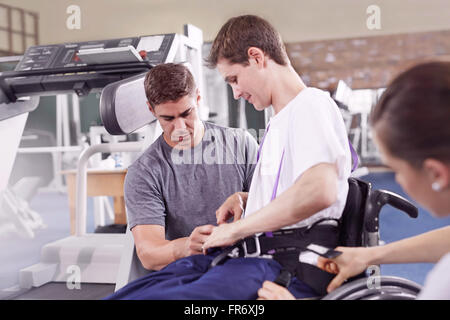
[318,189]
[155,252]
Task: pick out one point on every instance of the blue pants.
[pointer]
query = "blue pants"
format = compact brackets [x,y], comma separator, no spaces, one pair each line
[190,279]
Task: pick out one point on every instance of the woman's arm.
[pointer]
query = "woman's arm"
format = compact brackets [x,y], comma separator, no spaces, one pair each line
[426,247]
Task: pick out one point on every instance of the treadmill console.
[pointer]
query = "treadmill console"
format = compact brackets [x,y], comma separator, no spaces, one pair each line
[83,66]
[153,49]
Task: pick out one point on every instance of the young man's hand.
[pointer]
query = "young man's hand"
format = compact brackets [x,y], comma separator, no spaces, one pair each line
[222,236]
[232,207]
[273,291]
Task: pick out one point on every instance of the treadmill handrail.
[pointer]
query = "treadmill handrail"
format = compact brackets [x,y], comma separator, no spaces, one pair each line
[110,68]
[81,180]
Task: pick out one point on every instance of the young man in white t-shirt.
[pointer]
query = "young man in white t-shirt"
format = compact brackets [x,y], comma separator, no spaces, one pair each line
[304,158]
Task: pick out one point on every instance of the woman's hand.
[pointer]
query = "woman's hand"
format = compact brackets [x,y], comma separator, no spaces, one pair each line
[273,291]
[350,263]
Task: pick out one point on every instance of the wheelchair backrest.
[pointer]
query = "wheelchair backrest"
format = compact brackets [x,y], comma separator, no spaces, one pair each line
[353,216]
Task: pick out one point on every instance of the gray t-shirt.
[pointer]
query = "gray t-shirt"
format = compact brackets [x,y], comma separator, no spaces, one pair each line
[181,190]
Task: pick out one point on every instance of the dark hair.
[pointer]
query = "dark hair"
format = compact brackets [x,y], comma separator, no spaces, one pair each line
[238,34]
[168,82]
[412,118]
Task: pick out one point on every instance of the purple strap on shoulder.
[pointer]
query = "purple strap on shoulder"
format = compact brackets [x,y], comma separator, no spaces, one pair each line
[275,188]
[262,142]
[274,192]
[354,156]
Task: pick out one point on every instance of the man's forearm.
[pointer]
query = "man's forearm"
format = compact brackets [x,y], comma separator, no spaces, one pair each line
[156,257]
[427,247]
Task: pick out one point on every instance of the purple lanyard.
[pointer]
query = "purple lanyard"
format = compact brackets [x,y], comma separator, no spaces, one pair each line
[274,192]
[354,156]
[277,180]
[275,187]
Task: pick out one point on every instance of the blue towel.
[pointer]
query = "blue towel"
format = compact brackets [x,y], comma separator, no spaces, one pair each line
[191,279]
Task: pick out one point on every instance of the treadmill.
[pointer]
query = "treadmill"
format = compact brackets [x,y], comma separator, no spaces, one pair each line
[85,266]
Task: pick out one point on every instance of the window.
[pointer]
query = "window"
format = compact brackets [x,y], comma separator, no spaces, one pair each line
[18,30]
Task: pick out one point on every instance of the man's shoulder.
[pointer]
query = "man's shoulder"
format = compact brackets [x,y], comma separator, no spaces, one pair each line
[149,159]
[314,95]
[229,131]
[154,150]
[215,126]
[313,101]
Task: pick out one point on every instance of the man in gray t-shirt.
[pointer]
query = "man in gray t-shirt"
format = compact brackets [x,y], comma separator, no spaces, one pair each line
[173,190]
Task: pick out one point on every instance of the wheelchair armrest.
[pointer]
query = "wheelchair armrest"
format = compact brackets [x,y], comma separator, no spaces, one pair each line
[377,199]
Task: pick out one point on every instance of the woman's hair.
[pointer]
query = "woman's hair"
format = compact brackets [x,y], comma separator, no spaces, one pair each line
[240,33]
[412,118]
[168,82]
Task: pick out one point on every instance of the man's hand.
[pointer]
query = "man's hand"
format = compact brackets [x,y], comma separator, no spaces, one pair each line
[194,243]
[232,207]
[350,263]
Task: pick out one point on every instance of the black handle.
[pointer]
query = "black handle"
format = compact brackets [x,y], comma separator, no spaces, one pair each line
[378,198]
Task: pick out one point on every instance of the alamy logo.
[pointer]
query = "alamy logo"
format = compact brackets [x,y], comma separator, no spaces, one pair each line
[218,148]
[74,19]
[373,21]
[74,278]
[374,279]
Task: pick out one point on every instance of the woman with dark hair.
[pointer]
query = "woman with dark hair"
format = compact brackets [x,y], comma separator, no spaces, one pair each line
[411,123]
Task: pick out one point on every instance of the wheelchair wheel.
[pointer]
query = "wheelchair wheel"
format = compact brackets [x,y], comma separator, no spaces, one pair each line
[388,288]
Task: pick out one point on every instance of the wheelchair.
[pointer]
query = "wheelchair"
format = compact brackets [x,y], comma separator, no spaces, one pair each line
[360,227]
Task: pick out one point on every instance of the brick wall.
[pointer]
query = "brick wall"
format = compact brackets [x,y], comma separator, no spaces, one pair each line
[366,62]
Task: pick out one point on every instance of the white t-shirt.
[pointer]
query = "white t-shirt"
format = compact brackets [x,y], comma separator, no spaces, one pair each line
[437,283]
[311,130]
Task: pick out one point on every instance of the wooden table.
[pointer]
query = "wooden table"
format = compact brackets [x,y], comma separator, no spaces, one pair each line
[99,183]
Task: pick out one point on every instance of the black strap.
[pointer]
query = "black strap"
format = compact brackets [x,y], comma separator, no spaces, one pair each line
[285,247]
[285,240]
[225,254]
[284,278]
[313,238]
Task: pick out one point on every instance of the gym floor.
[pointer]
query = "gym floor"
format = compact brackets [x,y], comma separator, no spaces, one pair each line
[17,253]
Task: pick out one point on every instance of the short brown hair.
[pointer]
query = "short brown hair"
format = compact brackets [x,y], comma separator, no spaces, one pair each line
[168,82]
[240,33]
[412,118]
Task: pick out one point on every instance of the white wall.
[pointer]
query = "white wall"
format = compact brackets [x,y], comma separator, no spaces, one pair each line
[296,20]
